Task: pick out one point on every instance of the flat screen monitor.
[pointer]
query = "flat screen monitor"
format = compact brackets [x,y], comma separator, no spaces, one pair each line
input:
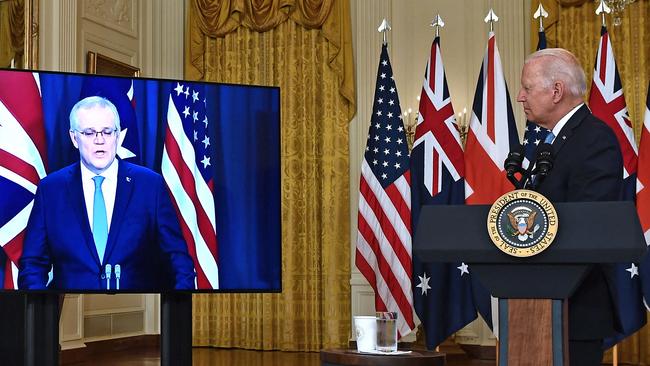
[136,185]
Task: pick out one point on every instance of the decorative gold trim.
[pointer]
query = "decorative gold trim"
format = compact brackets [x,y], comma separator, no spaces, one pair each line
[31,34]
[96,63]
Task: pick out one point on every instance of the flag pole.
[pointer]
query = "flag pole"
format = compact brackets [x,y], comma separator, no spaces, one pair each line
[437,23]
[491,18]
[603,9]
[384,27]
[540,14]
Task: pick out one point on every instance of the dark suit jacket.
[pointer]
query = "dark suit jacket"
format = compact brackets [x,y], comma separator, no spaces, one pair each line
[144,238]
[588,166]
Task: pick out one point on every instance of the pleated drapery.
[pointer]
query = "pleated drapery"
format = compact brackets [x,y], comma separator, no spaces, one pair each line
[304,47]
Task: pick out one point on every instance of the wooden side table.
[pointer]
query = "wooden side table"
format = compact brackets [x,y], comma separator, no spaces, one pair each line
[348,357]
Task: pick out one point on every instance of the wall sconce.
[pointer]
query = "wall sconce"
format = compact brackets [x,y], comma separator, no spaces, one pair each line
[462,123]
[410,121]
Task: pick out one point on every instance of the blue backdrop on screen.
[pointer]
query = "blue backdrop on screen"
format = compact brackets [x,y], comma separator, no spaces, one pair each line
[244,134]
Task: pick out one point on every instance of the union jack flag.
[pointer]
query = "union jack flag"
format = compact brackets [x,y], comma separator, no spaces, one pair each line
[437,169]
[23,162]
[187,169]
[492,134]
[607,102]
[383,252]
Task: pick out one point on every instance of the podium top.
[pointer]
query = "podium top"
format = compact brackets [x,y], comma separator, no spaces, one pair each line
[588,232]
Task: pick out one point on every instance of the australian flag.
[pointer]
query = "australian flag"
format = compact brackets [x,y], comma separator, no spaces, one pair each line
[442,293]
[607,102]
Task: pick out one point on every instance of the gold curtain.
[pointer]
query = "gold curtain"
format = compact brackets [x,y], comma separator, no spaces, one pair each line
[304,47]
[573,24]
[12,32]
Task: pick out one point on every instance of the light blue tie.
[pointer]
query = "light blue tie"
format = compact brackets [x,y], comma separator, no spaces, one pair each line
[100,224]
[549,138]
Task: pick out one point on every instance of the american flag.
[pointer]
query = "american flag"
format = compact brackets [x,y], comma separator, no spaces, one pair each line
[643,196]
[534,134]
[383,252]
[607,102]
[23,161]
[437,169]
[491,135]
[187,170]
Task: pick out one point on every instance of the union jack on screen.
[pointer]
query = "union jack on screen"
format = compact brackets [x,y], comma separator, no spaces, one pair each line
[383,252]
[607,102]
[23,162]
[187,169]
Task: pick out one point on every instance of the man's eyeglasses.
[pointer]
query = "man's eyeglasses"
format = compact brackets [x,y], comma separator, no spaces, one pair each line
[92,134]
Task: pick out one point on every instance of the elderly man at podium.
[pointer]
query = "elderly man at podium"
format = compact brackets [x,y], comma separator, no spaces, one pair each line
[588,166]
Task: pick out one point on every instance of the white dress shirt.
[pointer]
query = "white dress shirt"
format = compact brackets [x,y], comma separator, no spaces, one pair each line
[109,190]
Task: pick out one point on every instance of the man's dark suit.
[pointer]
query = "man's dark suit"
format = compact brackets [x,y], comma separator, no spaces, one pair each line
[588,166]
[144,237]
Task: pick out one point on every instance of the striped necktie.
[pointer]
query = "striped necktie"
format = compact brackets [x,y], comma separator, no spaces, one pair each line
[100,223]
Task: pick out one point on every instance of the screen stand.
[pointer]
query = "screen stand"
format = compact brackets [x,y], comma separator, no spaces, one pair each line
[41,329]
[176,332]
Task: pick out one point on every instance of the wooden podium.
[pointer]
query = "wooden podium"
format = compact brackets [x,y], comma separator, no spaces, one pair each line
[532,291]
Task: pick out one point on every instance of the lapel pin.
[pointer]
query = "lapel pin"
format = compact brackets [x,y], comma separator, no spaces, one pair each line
[563,137]
[128,179]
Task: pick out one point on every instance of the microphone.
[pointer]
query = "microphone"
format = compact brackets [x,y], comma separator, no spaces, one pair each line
[118,272]
[512,165]
[108,276]
[543,163]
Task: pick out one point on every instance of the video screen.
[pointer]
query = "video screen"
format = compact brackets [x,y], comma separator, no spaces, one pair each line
[113,184]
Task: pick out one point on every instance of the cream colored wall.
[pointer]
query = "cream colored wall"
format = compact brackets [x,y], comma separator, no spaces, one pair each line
[463,42]
[145,34]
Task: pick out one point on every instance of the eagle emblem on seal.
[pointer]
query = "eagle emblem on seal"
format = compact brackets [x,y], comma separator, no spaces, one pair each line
[522,220]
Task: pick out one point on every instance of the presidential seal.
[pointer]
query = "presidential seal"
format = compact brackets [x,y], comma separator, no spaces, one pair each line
[522,223]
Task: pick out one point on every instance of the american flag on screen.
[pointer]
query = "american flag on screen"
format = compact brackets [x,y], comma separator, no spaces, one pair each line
[607,102]
[23,162]
[383,252]
[187,170]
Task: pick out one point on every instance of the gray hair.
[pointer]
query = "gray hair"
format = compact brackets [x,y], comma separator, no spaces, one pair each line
[561,65]
[90,102]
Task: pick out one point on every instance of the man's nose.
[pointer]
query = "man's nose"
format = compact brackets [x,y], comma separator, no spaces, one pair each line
[520,96]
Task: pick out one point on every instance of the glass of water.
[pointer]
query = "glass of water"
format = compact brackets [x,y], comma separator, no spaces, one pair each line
[386,331]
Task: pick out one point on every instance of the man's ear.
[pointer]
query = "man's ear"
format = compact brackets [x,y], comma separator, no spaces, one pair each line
[558,91]
[73,137]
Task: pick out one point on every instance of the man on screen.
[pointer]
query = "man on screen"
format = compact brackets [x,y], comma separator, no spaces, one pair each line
[103,223]
[588,166]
